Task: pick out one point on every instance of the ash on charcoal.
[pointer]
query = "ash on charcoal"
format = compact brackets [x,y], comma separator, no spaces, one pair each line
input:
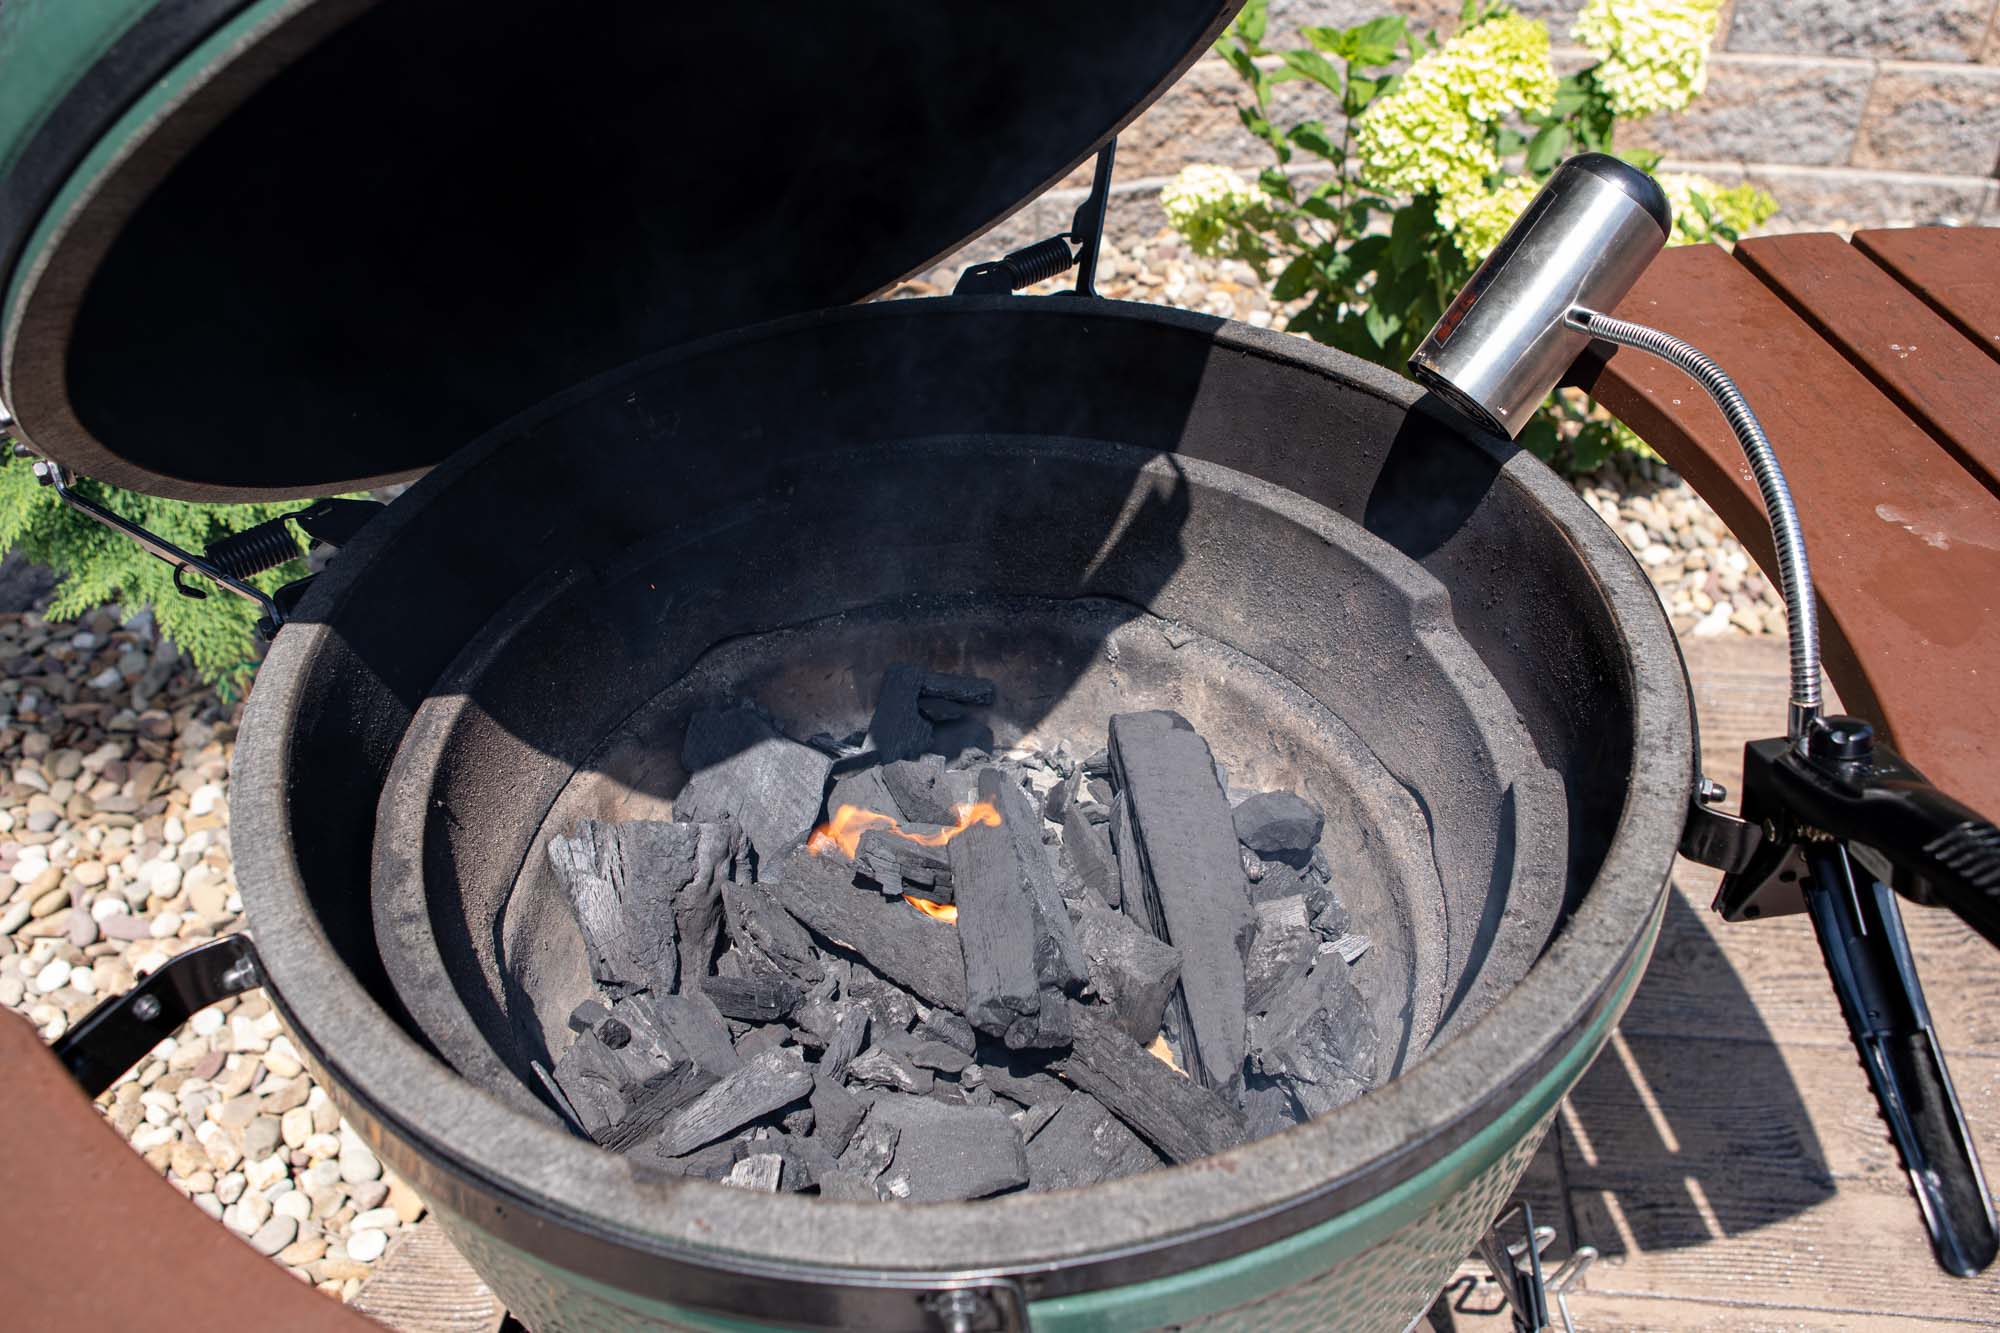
[1316,1039]
[900,865]
[1081,1143]
[1014,932]
[626,1075]
[880,1067]
[1180,836]
[836,1113]
[1329,918]
[947,1152]
[898,941]
[760,1171]
[891,1009]
[754,999]
[840,1028]
[898,730]
[926,791]
[1131,971]
[1282,950]
[1030,1119]
[648,896]
[742,768]
[1179,1117]
[1279,826]
[1350,947]
[769,936]
[775,1079]
[1086,849]
[861,1164]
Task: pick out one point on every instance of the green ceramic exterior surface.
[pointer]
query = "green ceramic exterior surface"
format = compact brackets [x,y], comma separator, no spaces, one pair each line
[45,47]
[1376,1266]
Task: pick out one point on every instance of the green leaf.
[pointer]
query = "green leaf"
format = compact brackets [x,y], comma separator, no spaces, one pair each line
[1591,446]
[1702,206]
[1276,183]
[1312,65]
[1571,95]
[1382,323]
[1293,282]
[1361,91]
[1311,135]
[1547,148]
[1366,254]
[1509,142]
[1645,159]
[1375,41]
[1246,68]
[1410,232]
[1250,23]
[1539,437]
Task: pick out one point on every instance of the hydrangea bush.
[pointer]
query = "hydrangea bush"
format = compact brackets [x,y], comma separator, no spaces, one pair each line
[1377,210]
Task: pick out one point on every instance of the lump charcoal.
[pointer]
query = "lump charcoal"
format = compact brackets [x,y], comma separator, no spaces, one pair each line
[1099,793]
[1132,897]
[1328,917]
[802,1161]
[837,747]
[940,711]
[769,935]
[1031,1120]
[1267,1108]
[947,1092]
[759,1171]
[1350,947]
[558,1097]
[864,789]
[1063,760]
[1279,881]
[1084,1144]
[693,1023]
[710,1163]
[775,1079]
[762,999]
[1086,846]
[1056,802]
[926,791]
[978,1096]
[974,690]
[1184,846]
[894,862]
[951,1029]
[841,1027]
[629,1073]
[836,1112]
[648,896]
[1280,826]
[1179,1117]
[966,741]
[898,730]
[1059,961]
[800,1123]
[866,1157]
[1317,1039]
[904,945]
[1133,973]
[1319,868]
[891,1009]
[935,1055]
[1253,868]
[759,1039]
[740,767]
[1096,765]
[1283,950]
[879,1067]
[588,1015]
[1023,1087]
[947,1152]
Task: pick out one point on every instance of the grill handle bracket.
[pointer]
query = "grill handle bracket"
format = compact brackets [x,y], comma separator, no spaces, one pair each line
[116,1035]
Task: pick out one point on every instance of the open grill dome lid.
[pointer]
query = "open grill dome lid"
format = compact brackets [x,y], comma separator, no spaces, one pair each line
[294,247]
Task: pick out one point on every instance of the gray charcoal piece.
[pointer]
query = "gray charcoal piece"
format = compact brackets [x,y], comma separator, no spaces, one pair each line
[1181,1119]
[1350,947]
[926,791]
[1056,802]
[974,690]
[757,999]
[759,1171]
[1059,961]
[1267,1108]
[692,1023]
[741,768]
[1328,917]
[800,1123]
[841,1027]
[878,1067]
[1031,1120]
[935,1055]
[1280,826]
[1084,1144]
[1099,793]
[1280,881]
[951,1029]
[760,1039]
[872,1146]
[648,896]
[1253,868]
[947,1092]
[898,730]
[891,1009]
[1133,973]
[1024,1088]
[836,1113]
[710,1163]
[1096,764]
[588,1015]
[894,862]
[1317,1039]
[1086,846]
[629,1073]
[911,949]
[775,1079]
[1184,846]
[1283,950]
[947,1152]
[1319,868]
[841,1185]
[864,789]
[763,931]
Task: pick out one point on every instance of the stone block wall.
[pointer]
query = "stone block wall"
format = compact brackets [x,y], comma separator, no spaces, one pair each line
[1853,113]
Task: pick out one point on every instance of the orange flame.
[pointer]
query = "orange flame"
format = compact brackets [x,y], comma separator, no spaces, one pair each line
[843,833]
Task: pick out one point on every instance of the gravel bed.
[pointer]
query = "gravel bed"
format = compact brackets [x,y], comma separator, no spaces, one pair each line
[114,852]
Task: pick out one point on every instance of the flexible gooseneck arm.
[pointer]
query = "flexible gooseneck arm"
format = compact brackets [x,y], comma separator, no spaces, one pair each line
[1794,574]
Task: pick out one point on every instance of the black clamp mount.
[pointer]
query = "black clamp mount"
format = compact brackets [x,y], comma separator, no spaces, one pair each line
[1044,259]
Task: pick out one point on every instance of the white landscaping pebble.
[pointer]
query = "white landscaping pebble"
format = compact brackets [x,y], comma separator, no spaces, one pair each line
[365,1247]
[282,1058]
[296,1126]
[208,1022]
[83,980]
[357,1163]
[294,1205]
[379,1219]
[107,907]
[275,1235]
[52,977]
[266,1171]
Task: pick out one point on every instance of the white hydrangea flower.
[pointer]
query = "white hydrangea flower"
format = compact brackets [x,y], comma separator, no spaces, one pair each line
[1203,199]
[1737,207]
[1478,223]
[1652,54]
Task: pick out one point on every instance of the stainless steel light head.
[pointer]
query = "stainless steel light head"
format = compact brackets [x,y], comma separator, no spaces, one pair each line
[1583,241]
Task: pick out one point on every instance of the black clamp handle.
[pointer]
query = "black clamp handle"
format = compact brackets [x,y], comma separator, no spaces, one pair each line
[116,1035]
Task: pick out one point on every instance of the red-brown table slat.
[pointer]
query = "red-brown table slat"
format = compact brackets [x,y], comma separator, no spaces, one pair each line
[92,1237]
[1954,270]
[1940,379]
[1905,548]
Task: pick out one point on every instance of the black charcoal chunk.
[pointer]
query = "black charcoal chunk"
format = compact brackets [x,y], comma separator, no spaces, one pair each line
[863,789]
[951,1029]
[1279,881]
[1180,1118]
[710,1163]
[1086,846]
[1282,950]
[760,1039]
[1328,917]
[836,1112]
[1084,1144]
[898,730]
[759,1171]
[1032,1120]
[1056,803]
[879,1067]
[975,690]
[1133,973]
[587,1015]
[867,1155]
[935,1055]
[902,865]
[1319,868]
[648,897]
[1267,1108]
[799,1123]
[1023,1087]
[841,1027]
[1097,764]
[901,943]
[1099,793]
[775,1079]
[939,711]
[1280,826]
[1317,1039]
[628,1074]
[891,1009]
[693,1023]
[947,1152]
[926,791]
[837,747]
[760,999]
[741,768]
[1179,834]
[769,936]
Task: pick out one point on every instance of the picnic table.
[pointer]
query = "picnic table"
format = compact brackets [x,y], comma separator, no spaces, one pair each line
[1875,368]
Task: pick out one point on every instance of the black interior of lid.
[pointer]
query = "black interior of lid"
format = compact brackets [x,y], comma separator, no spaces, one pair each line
[445,213]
